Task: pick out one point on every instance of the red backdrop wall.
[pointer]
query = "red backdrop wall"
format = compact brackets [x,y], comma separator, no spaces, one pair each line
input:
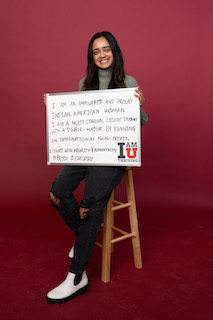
[167,47]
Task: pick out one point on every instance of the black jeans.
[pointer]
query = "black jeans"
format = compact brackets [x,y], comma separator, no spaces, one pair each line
[99,183]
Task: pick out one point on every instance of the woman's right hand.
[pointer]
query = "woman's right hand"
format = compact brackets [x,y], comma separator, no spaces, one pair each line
[44,98]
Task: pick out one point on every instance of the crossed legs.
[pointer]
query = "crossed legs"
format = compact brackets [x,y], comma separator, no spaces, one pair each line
[56,201]
[84,219]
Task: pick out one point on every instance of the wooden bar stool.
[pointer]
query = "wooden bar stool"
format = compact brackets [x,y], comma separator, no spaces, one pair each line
[109,228]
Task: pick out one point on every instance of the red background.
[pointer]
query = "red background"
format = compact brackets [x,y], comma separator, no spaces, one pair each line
[167,47]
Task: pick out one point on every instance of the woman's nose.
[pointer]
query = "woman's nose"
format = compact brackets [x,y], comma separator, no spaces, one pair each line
[102,53]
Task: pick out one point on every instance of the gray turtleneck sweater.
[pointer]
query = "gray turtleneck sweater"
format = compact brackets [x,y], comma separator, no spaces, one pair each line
[104,77]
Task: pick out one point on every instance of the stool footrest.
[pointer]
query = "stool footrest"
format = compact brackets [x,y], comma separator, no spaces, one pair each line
[126,235]
[99,244]
[121,206]
[119,230]
[129,235]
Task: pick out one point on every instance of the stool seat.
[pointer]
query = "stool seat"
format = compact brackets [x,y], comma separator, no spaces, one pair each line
[109,228]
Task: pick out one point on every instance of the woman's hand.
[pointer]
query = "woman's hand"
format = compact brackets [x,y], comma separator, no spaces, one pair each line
[44,98]
[139,95]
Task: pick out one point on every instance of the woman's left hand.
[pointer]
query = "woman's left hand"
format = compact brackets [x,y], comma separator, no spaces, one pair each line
[139,95]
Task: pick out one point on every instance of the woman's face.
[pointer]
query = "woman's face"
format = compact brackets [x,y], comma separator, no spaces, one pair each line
[102,53]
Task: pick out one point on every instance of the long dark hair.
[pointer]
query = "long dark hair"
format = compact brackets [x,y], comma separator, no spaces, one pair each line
[91,82]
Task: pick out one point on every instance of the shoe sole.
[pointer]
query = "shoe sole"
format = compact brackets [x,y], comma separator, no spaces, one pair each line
[77,293]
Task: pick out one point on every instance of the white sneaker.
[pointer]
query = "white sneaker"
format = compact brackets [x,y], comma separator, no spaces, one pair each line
[71,253]
[67,290]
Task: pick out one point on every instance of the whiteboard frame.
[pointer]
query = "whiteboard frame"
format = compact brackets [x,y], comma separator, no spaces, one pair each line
[138,128]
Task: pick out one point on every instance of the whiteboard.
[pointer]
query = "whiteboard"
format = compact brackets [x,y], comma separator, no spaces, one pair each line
[97,127]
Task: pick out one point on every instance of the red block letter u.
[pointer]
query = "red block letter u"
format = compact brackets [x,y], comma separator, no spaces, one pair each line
[129,152]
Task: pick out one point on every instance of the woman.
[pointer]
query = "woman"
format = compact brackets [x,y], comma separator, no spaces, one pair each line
[105,70]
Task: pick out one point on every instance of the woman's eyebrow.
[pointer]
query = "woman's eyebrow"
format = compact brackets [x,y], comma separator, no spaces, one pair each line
[101,47]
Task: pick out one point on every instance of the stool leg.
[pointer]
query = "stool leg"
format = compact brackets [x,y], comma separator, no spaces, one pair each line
[133,218]
[107,236]
[112,219]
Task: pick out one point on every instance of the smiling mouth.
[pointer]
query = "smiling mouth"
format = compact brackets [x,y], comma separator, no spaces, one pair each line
[104,60]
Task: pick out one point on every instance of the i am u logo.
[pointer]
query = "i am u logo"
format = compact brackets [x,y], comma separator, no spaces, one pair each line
[130,149]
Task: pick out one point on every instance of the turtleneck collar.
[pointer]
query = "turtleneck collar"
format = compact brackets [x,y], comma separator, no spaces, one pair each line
[104,77]
[105,73]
